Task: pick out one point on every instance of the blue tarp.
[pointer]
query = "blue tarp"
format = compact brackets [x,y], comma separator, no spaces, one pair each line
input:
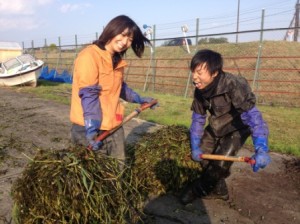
[54,76]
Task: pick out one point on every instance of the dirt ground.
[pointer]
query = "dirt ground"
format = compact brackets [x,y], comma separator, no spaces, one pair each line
[270,196]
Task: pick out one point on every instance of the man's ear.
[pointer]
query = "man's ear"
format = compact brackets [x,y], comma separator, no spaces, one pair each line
[214,75]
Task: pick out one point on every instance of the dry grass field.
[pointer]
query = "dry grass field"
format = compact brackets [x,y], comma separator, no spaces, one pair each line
[275,77]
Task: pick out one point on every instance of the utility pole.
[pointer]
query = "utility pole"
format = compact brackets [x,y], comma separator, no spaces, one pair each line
[296,21]
[237,23]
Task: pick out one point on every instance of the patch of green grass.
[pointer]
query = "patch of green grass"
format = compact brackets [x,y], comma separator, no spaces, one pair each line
[283,123]
[172,110]
[284,128]
[175,110]
[59,92]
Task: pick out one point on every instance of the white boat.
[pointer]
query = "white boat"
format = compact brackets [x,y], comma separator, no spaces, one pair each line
[21,70]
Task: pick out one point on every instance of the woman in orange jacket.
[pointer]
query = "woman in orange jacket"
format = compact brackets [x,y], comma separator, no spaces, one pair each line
[98,84]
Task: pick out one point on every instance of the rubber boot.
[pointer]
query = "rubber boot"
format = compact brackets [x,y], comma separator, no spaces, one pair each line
[220,191]
[200,189]
[213,181]
[211,184]
[191,192]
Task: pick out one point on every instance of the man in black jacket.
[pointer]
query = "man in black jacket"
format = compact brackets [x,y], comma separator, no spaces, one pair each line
[233,117]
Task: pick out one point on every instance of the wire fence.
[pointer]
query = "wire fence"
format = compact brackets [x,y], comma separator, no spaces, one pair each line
[271,65]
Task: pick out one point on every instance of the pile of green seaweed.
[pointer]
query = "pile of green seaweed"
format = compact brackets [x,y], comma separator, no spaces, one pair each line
[79,186]
[161,161]
[75,186]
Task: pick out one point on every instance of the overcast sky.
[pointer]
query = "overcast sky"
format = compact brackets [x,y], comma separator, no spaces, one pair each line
[26,20]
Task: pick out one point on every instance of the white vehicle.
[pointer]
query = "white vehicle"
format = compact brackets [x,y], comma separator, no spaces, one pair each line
[21,70]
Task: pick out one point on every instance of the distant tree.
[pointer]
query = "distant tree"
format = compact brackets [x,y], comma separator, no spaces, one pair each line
[219,40]
[212,40]
[203,41]
[165,43]
[52,47]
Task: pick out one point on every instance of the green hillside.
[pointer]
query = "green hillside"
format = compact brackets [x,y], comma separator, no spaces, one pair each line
[275,79]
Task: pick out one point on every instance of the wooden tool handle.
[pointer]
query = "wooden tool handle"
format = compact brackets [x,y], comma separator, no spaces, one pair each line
[228,158]
[143,107]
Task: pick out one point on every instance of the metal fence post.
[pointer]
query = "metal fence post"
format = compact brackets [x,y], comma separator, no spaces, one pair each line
[46,49]
[187,83]
[296,22]
[32,46]
[257,66]
[197,33]
[76,45]
[58,58]
[153,64]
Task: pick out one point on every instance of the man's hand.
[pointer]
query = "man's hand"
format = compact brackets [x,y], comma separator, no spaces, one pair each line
[262,159]
[196,132]
[261,156]
[196,155]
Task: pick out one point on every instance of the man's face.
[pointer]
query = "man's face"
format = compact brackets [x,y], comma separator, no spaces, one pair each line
[202,77]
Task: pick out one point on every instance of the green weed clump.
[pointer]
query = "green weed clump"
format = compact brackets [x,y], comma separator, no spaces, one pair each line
[76,186]
[161,161]
[80,186]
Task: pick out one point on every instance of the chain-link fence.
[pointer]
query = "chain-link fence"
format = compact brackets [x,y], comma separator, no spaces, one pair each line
[268,58]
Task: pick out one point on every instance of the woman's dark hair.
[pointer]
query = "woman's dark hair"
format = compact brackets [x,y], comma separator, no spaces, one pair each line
[213,60]
[115,27]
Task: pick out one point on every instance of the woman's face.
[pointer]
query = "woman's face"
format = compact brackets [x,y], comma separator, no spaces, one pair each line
[120,42]
[202,77]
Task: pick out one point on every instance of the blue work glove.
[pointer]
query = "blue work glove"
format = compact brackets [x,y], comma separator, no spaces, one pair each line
[196,155]
[148,100]
[131,96]
[261,156]
[92,129]
[92,113]
[195,148]
[196,132]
